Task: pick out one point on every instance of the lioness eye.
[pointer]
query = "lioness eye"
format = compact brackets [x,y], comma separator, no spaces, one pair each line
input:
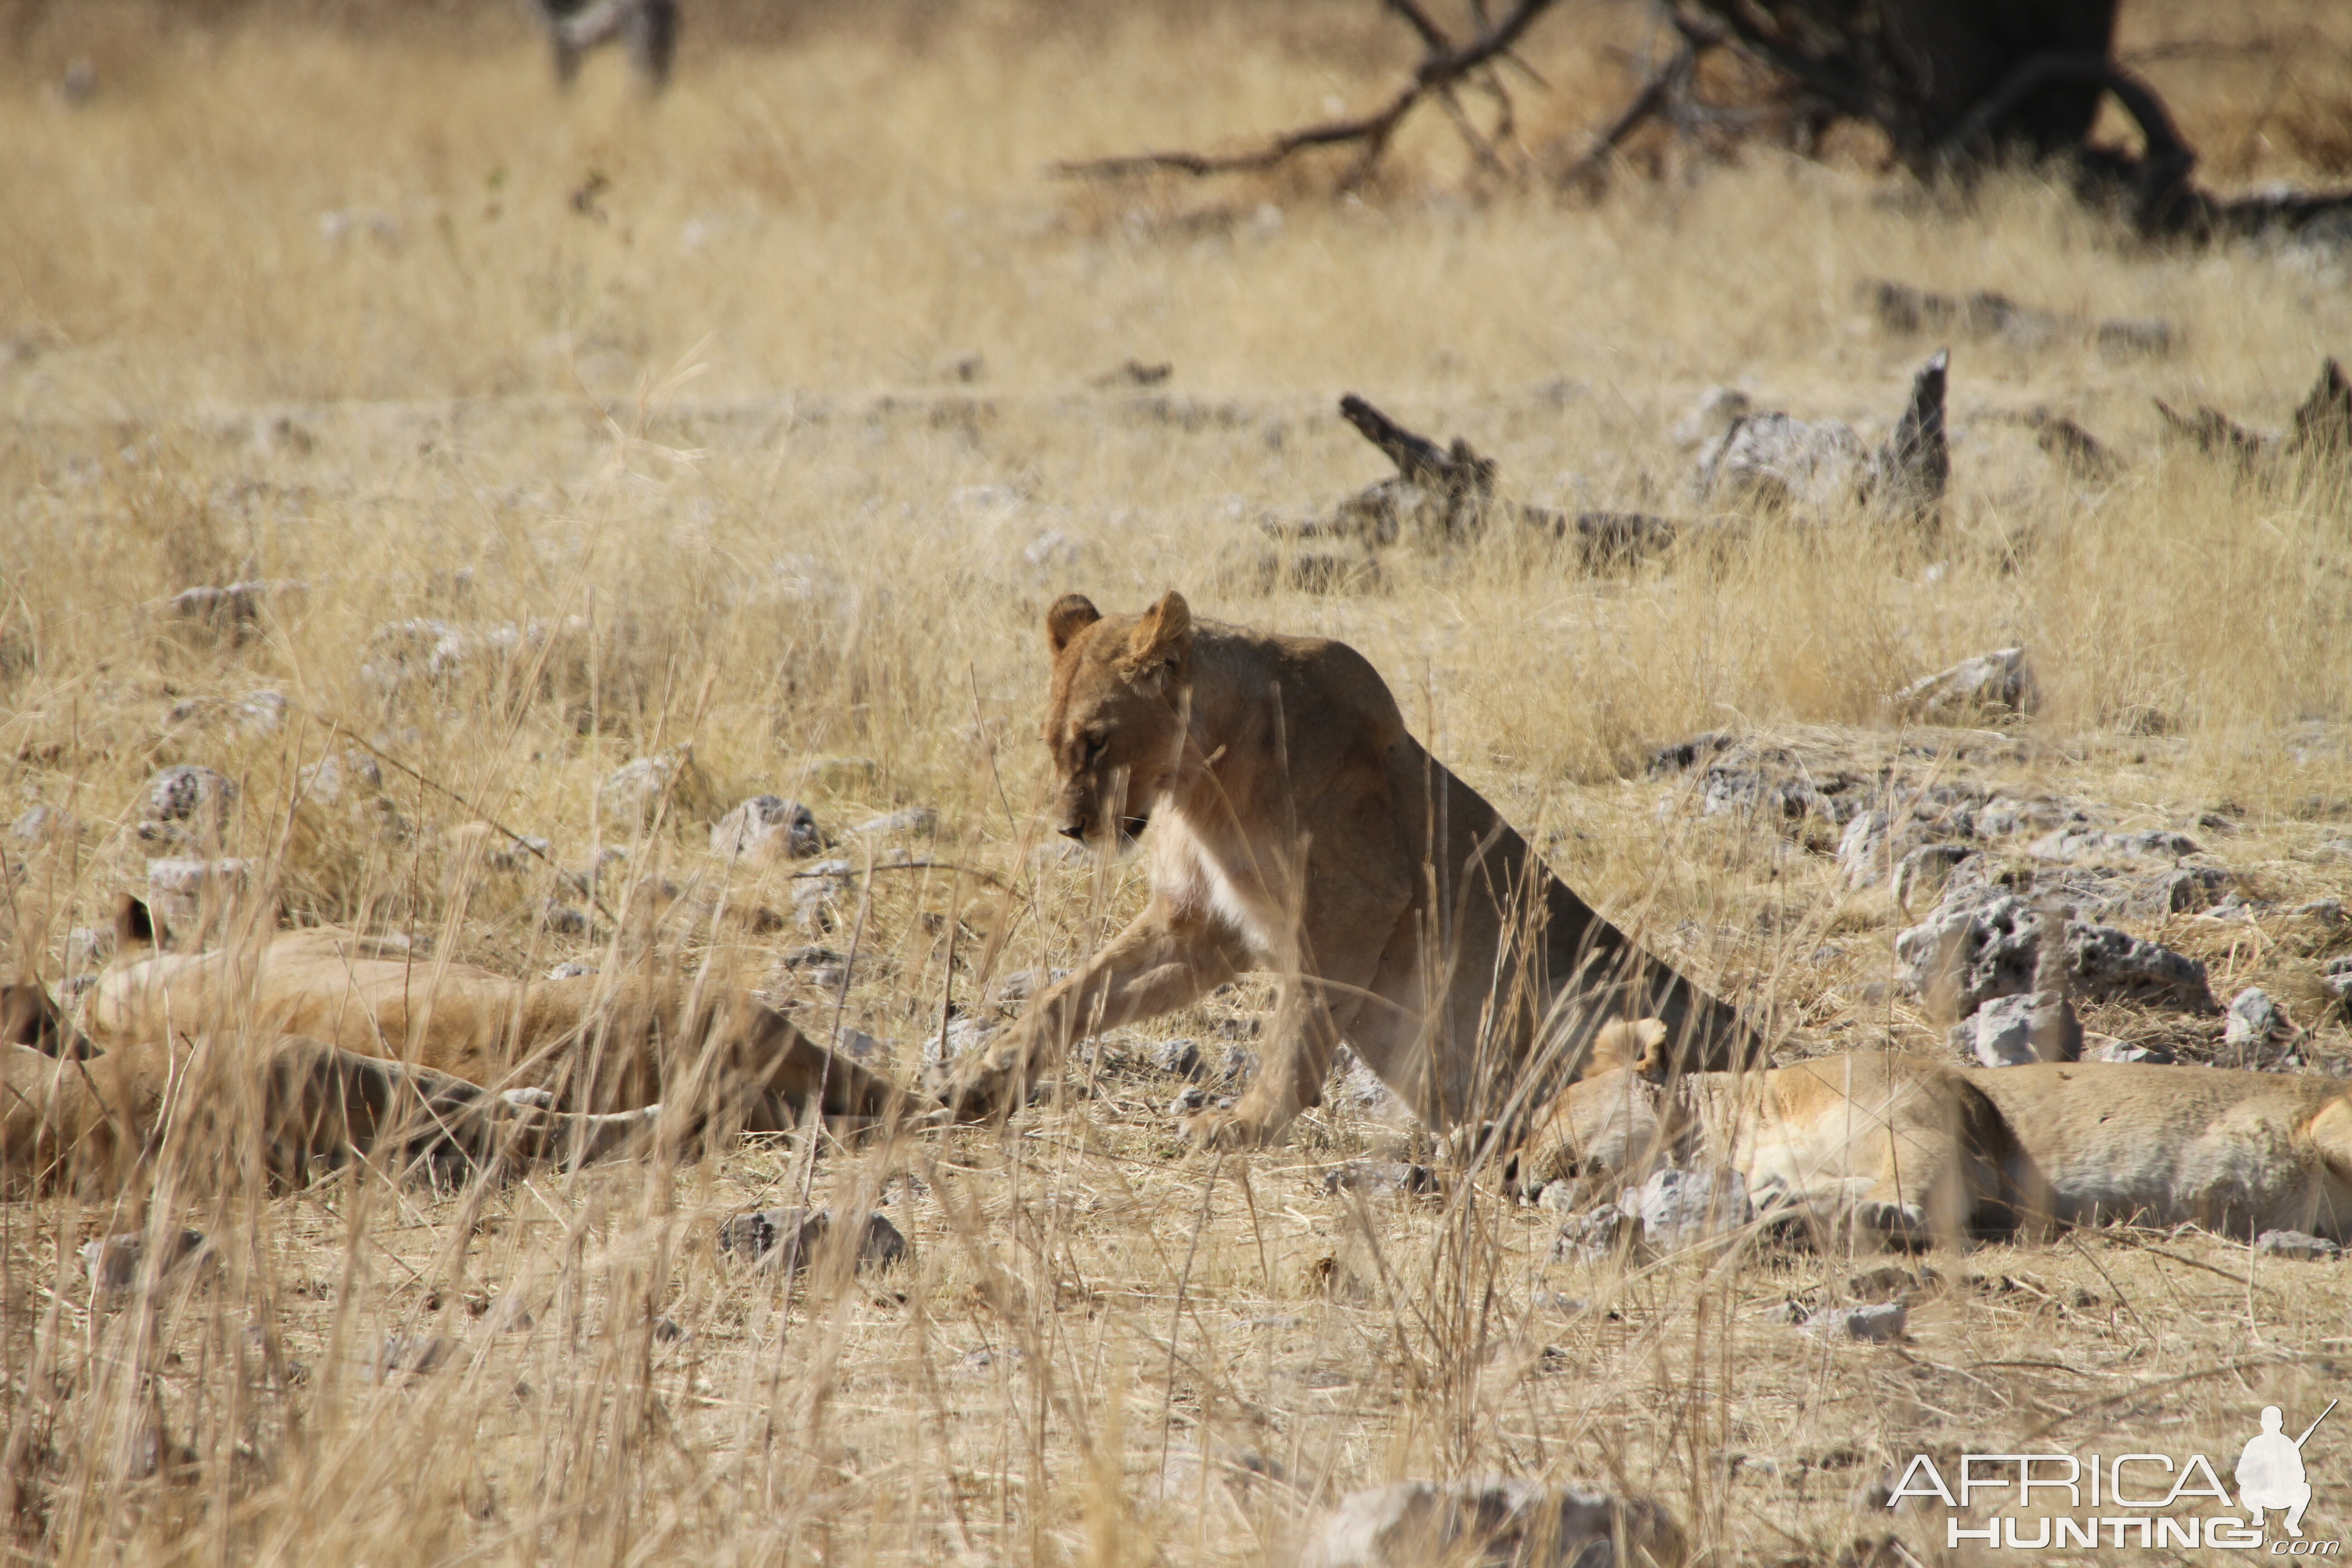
[1096,745]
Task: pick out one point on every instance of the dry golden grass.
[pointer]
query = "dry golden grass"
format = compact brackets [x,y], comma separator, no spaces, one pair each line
[787,386]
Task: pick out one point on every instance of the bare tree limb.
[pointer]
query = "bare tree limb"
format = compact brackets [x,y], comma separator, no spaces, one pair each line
[1480,148]
[1444,65]
[1839,83]
[1508,57]
[1433,37]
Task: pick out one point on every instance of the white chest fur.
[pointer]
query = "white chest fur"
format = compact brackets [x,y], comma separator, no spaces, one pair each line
[1199,875]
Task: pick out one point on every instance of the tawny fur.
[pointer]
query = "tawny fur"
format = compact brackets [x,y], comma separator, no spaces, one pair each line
[1297,826]
[96,1124]
[1915,1149]
[595,1043]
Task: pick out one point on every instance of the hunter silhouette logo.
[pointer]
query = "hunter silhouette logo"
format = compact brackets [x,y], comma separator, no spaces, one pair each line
[2270,1472]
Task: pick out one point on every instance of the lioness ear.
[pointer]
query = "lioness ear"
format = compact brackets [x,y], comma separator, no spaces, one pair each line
[1652,1032]
[29,1016]
[1071,614]
[23,1014]
[1163,635]
[133,926]
[1636,1043]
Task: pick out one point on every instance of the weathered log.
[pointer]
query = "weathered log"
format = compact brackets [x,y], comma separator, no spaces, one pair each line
[1607,540]
[1909,473]
[1446,494]
[2319,438]
[2213,433]
[1440,494]
[1456,470]
[2323,425]
[1767,461]
[2073,448]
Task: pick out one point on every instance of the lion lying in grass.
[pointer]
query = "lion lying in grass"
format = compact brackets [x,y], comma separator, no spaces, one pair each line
[1909,1151]
[594,1044]
[1298,826]
[96,1121]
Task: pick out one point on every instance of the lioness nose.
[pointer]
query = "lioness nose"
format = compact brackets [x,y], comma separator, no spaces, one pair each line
[1077,830]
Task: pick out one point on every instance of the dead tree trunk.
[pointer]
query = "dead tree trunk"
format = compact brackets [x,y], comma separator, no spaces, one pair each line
[1958,86]
[1924,70]
[1962,84]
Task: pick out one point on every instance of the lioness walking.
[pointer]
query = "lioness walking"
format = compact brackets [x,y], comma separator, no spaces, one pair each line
[1297,826]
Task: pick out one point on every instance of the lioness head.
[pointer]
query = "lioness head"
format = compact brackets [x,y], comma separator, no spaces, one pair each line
[1608,1125]
[1600,1132]
[1115,718]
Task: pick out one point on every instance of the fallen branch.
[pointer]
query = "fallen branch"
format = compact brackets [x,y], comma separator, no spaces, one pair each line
[1443,495]
[2072,448]
[1444,66]
[2321,433]
[1443,492]
[1608,539]
[1459,471]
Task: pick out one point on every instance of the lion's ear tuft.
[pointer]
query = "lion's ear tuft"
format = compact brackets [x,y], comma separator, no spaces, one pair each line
[1163,635]
[1071,614]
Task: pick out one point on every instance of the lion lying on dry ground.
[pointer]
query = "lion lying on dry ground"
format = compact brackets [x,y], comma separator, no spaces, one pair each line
[1910,1150]
[96,1121]
[1298,826]
[593,1044]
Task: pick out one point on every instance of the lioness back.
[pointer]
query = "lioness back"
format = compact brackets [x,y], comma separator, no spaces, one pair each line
[363,995]
[2236,1152]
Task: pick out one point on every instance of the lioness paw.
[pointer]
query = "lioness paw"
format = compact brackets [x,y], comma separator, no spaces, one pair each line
[970,1090]
[1228,1127]
[1896,1225]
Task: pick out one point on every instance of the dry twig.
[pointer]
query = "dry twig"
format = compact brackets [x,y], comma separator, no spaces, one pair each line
[1444,66]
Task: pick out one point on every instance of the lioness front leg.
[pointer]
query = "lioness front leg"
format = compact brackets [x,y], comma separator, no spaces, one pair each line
[1159,962]
[1289,1077]
[1319,1007]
